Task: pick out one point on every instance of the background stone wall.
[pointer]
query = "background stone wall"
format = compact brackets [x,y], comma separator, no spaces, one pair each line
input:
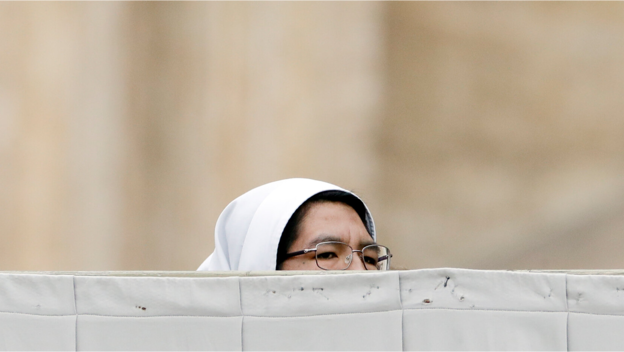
[502,143]
[482,135]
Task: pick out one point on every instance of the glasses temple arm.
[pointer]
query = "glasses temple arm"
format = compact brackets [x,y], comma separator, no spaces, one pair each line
[293,254]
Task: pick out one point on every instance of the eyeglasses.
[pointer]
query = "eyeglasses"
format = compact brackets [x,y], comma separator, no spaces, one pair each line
[338,256]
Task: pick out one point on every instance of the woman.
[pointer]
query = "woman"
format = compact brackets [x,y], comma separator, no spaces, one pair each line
[296,224]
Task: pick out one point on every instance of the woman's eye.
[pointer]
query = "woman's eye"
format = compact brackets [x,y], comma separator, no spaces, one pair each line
[370,260]
[326,255]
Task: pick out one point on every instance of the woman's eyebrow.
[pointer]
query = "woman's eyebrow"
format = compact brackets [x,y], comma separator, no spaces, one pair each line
[324,238]
[366,243]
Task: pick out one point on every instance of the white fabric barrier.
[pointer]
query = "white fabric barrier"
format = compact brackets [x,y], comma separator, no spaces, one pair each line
[431,309]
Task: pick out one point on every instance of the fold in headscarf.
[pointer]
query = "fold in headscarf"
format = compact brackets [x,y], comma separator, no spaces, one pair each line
[249,229]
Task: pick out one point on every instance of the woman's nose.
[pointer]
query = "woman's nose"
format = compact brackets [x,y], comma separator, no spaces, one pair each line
[356,262]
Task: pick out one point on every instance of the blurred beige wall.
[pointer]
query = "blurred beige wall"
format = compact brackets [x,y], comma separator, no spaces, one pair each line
[127,127]
[502,143]
[482,135]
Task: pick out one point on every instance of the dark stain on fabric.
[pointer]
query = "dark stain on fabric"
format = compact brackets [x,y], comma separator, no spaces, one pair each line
[427,301]
[319,291]
[447,280]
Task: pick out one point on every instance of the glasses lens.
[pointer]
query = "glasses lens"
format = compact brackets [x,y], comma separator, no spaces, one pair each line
[376,257]
[333,255]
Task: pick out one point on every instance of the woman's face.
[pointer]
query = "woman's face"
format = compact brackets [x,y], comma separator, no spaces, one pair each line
[327,221]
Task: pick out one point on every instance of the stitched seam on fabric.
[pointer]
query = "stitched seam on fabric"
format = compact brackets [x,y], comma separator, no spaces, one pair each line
[234,316]
[321,315]
[160,316]
[402,311]
[304,316]
[120,316]
[40,315]
[567,315]
[76,314]
[606,314]
[488,310]
[566,293]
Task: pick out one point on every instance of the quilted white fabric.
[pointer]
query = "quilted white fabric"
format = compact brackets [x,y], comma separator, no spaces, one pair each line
[432,309]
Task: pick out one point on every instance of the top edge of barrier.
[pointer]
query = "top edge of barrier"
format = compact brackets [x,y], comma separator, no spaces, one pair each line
[178,273]
[271,273]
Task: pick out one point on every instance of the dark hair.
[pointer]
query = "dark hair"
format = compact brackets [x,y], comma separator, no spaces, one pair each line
[291,230]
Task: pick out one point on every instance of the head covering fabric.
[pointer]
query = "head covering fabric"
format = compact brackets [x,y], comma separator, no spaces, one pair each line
[249,229]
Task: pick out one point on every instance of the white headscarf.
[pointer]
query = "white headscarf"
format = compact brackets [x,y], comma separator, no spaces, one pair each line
[249,229]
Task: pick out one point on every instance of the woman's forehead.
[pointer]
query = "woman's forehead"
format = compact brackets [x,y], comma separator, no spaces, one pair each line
[331,221]
[361,242]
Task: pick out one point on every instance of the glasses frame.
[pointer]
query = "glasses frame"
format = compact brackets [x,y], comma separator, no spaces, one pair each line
[359,251]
